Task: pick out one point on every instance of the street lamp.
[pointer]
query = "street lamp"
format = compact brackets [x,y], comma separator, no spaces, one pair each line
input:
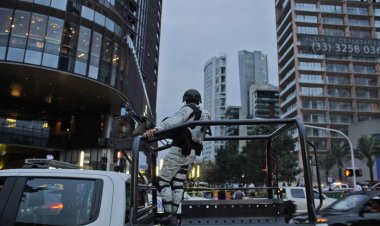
[349,142]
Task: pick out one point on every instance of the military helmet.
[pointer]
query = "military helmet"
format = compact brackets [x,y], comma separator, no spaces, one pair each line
[192,94]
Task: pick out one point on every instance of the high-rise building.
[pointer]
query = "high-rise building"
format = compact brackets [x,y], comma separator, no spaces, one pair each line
[328,62]
[214,100]
[232,112]
[253,68]
[68,70]
[264,101]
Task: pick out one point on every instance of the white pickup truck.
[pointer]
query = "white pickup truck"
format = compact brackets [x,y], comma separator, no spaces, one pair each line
[64,197]
[298,195]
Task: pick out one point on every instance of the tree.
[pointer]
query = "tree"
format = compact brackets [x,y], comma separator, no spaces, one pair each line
[366,149]
[287,159]
[339,153]
[327,162]
[207,172]
[228,165]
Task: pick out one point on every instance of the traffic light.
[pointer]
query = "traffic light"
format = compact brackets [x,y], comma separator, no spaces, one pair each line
[350,172]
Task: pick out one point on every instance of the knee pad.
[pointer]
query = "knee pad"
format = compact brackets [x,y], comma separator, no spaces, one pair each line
[163,184]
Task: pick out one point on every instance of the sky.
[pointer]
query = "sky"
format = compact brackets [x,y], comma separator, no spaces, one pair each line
[194,31]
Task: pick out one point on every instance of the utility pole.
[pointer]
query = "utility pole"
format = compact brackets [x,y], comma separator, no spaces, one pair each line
[351,148]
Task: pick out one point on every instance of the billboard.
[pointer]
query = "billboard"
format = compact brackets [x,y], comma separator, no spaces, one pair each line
[334,45]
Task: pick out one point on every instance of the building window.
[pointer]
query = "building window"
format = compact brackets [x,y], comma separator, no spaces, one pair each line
[5,29]
[340,119]
[338,80]
[335,92]
[358,22]
[52,42]
[105,69]
[340,106]
[87,13]
[313,104]
[316,118]
[59,4]
[367,94]
[306,6]
[69,46]
[331,8]
[82,51]
[357,10]
[307,30]
[337,67]
[332,20]
[366,81]
[35,45]
[364,69]
[307,18]
[360,34]
[312,91]
[311,78]
[368,107]
[95,55]
[20,31]
[310,65]
[334,32]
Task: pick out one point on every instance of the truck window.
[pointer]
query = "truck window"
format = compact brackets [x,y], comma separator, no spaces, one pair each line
[297,193]
[52,201]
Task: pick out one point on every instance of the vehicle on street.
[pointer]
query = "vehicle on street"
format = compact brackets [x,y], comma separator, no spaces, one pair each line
[298,196]
[338,186]
[354,209]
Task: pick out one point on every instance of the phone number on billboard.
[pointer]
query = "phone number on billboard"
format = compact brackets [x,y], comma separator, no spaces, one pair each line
[344,48]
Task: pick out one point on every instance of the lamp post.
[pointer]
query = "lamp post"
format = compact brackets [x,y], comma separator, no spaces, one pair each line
[351,148]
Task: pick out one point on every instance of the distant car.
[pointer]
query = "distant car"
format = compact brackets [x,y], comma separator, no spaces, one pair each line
[337,186]
[298,196]
[354,209]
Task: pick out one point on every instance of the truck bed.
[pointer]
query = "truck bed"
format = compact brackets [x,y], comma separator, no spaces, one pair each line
[233,212]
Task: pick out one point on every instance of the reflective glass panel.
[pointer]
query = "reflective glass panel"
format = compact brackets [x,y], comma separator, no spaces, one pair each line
[15,54]
[110,25]
[80,67]
[20,24]
[59,4]
[95,55]
[2,52]
[42,2]
[51,48]
[50,60]
[83,49]
[87,13]
[54,30]
[5,25]
[33,57]
[37,28]
[99,19]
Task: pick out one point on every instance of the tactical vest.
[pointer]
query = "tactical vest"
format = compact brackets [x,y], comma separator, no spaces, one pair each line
[183,138]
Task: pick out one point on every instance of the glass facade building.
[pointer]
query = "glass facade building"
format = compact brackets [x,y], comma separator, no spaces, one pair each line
[253,69]
[214,100]
[68,68]
[336,85]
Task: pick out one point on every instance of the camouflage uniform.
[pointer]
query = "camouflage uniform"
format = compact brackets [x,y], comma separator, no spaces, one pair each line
[175,166]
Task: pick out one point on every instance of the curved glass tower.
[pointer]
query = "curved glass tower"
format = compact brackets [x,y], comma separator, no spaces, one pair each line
[67,69]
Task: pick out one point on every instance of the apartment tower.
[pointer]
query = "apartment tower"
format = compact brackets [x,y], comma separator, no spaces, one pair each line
[214,100]
[328,59]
